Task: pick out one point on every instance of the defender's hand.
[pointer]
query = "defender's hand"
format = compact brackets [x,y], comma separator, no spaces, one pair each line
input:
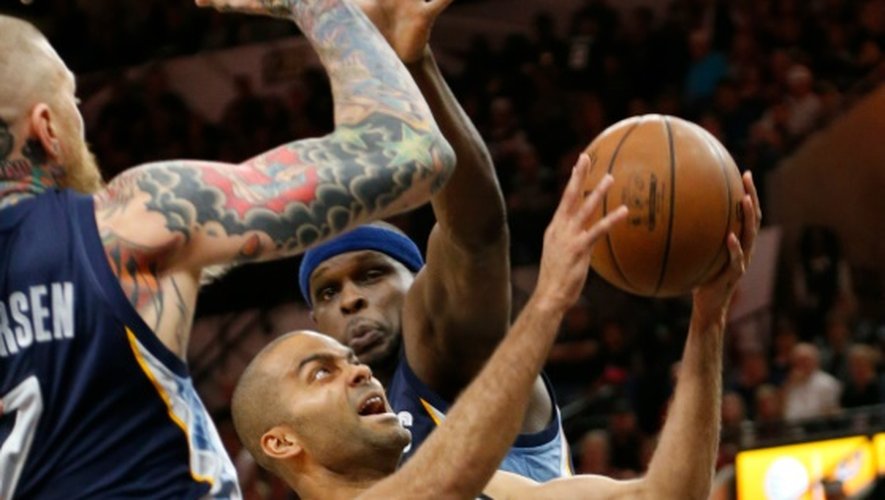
[568,241]
[405,24]
[274,8]
[711,299]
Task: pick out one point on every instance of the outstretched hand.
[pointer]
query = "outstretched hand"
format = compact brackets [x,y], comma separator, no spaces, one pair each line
[276,8]
[569,239]
[405,24]
[711,300]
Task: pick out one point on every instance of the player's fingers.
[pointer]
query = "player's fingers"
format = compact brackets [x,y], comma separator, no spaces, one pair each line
[571,195]
[750,188]
[735,256]
[750,227]
[604,225]
[593,199]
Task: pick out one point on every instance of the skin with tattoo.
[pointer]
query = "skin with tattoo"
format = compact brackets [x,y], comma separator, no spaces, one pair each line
[162,223]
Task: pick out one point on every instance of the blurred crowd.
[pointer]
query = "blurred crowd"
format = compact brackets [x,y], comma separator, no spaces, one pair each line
[759,74]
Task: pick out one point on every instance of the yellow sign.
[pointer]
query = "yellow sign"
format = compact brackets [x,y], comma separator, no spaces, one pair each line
[796,471]
[879,447]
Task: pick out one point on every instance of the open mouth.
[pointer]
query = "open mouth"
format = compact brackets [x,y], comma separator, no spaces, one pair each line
[372,406]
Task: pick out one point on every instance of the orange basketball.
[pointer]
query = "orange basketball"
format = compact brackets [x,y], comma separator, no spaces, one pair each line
[683,190]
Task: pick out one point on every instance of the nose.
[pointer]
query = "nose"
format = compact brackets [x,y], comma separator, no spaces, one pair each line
[359,374]
[352,299]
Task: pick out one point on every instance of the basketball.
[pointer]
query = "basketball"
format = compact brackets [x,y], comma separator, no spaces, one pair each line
[684,193]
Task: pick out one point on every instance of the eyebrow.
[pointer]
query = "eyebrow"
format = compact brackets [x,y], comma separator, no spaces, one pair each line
[365,257]
[327,357]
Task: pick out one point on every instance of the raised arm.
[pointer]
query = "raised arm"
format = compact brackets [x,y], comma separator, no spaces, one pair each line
[385,155]
[465,286]
[461,300]
[162,223]
[468,446]
[683,463]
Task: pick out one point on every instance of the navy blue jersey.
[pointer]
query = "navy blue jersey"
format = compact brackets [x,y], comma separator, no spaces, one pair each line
[95,405]
[542,456]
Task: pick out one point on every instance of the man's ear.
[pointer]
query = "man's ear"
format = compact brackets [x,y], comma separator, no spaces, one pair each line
[313,317]
[280,443]
[44,130]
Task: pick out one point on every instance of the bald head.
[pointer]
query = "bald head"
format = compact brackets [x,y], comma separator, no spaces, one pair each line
[30,69]
[255,405]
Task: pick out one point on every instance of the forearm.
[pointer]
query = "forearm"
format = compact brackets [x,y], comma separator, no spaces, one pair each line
[464,452]
[470,207]
[682,466]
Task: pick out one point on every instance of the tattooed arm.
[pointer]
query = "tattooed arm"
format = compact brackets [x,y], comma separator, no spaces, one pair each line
[163,222]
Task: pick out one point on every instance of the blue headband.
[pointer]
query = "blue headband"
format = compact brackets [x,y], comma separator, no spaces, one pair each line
[376,238]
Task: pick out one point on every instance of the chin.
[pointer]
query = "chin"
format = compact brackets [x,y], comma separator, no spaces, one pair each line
[396,441]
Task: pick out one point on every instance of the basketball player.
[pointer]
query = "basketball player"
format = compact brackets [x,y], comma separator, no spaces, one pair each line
[98,283]
[426,330]
[310,412]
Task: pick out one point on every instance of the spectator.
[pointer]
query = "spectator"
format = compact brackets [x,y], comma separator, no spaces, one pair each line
[809,392]
[769,418]
[862,386]
[802,101]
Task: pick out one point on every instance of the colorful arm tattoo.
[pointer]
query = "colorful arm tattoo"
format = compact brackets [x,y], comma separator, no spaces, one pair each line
[385,155]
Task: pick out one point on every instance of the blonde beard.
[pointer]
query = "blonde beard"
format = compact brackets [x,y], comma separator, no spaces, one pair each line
[81,170]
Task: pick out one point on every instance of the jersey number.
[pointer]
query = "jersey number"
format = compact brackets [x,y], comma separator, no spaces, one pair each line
[27,401]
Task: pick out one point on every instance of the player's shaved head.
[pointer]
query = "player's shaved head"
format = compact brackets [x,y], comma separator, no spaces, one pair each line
[30,69]
[256,404]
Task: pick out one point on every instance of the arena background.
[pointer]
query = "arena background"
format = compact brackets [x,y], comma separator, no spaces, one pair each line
[792,88]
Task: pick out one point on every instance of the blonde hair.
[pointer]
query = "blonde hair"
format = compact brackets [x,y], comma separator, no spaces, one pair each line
[29,68]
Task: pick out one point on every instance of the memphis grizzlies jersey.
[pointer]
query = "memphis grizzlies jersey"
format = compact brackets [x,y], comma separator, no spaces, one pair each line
[541,456]
[94,405]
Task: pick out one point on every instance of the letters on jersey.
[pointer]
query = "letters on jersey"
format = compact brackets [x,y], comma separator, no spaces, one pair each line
[43,313]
